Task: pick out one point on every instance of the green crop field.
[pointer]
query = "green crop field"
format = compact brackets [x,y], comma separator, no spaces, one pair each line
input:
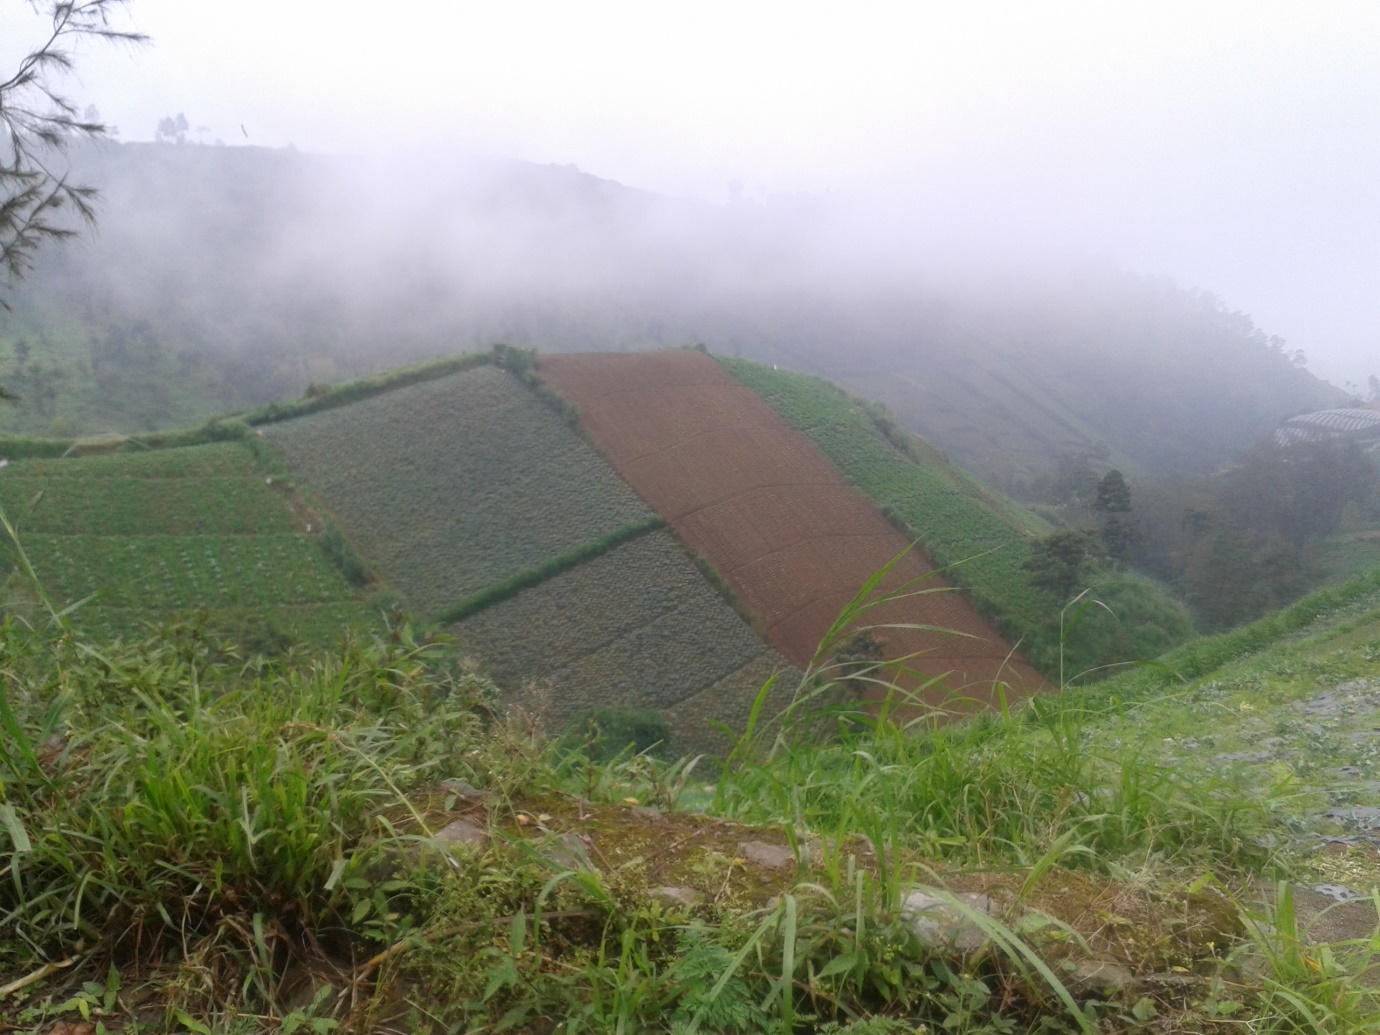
[454,484]
[216,460]
[175,506]
[639,626]
[954,518]
[139,537]
[984,539]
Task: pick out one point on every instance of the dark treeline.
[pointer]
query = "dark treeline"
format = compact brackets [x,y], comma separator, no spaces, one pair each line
[1235,544]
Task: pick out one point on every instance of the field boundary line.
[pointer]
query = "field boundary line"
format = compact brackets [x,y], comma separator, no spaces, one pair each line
[535,576]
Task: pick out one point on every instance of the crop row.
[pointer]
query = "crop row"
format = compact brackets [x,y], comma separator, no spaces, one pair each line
[636,627]
[169,573]
[729,702]
[452,485]
[143,505]
[320,625]
[142,537]
[217,460]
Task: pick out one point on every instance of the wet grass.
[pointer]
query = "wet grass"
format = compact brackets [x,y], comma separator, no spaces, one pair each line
[191,840]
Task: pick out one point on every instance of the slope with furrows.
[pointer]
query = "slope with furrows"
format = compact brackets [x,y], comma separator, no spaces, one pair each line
[773,516]
[471,496]
[985,540]
[454,484]
[639,625]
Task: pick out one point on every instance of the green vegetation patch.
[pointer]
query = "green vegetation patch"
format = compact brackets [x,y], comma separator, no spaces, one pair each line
[638,626]
[366,824]
[217,460]
[164,572]
[984,540]
[1283,712]
[132,506]
[454,484]
[137,538]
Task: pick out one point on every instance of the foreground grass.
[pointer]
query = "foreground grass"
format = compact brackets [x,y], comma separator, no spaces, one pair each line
[194,842]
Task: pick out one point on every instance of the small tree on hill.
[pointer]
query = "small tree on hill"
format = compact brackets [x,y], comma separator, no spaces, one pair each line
[1113,494]
[1113,507]
[1056,562]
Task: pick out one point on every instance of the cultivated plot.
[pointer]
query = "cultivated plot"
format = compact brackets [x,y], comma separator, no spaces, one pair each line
[140,537]
[774,517]
[452,485]
[639,626]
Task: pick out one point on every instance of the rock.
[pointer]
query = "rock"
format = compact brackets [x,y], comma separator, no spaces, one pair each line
[939,922]
[465,791]
[1098,977]
[568,852]
[676,898]
[767,856]
[462,832]
[1338,892]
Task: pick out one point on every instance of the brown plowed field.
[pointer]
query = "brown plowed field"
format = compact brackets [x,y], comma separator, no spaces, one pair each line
[773,516]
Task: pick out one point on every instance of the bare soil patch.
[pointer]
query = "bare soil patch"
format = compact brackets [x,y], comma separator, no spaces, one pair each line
[776,519]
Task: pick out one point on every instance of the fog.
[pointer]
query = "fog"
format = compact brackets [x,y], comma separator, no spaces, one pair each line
[1233,146]
[828,188]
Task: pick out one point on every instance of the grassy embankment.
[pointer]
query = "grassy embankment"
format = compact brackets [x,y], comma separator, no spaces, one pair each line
[193,845]
[983,539]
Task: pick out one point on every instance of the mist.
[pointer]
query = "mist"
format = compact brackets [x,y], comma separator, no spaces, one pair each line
[1233,147]
[1136,235]
[225,277]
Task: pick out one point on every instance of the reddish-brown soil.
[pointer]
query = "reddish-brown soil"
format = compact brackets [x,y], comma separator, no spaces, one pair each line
[775,518]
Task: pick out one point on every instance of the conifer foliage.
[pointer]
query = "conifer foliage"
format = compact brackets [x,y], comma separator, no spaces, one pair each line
[38,123]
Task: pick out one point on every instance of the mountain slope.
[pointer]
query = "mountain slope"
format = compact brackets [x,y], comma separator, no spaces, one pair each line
[231,277]
[461,492]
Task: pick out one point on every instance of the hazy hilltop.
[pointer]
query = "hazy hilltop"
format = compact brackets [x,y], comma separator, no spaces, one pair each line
[227,277]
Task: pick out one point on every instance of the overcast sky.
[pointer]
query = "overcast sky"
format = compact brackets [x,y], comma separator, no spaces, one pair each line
[1234,146]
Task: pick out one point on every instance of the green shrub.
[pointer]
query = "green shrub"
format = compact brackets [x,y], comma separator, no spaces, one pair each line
[607,733]
[340,553]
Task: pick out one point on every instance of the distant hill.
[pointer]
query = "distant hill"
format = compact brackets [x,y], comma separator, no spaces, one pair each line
[222,278]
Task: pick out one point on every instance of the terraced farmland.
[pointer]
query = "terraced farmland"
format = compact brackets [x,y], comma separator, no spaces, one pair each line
[148,535]
[468,492]
[452,485]
[771,514]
